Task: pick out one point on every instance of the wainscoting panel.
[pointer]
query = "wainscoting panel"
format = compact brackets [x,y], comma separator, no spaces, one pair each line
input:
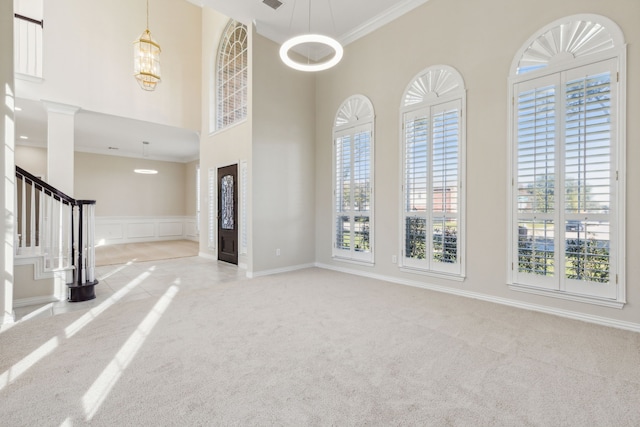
[141,230]
[170,229]
[110,231]
[113,230]
[191,229]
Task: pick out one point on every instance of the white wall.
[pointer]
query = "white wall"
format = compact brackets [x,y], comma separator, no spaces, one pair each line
[88,59]
[480,40]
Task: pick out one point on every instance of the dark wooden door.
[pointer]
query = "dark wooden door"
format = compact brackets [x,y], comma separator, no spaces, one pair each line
[228,214]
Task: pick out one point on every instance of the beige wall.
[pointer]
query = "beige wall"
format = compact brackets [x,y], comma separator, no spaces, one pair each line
[190,201]
[283,161]
[119,191]
[32,159]
[479,39]
[228,146]
[88,59]
[277,142]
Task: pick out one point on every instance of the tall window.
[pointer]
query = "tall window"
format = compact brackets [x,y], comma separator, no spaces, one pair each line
[567,159]
[232,75]
[433,155]
[353,184]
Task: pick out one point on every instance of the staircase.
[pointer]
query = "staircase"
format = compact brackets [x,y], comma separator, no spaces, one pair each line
[54,244]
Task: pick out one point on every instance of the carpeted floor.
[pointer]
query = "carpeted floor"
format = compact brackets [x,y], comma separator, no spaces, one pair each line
[145,251]
[311,348]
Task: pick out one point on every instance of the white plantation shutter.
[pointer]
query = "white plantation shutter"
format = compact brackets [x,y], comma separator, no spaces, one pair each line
[343,192]
[432,187]
[416,160]
[212,219]
[353,193]
[536,110]
[353,180]
[444,191]
[588,176]
[198,200]
[565,204]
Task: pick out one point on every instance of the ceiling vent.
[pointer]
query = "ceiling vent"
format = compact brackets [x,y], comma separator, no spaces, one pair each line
[273,4]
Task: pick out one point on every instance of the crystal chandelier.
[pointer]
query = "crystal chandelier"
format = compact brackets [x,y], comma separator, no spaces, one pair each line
[146,59]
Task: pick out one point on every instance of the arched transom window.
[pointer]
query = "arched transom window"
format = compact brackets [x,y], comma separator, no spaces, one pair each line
[433,159]
[232,67]
[353,180]
[567,161]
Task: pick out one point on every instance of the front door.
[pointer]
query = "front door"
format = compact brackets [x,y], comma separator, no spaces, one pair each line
[228,214]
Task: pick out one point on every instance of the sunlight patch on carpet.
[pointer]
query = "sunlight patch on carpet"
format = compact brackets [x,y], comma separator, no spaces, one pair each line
[100,389]
[27,362]
[76,326]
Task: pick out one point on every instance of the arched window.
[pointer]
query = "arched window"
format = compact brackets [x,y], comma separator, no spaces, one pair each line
[232,66]
[433,165]
[353,183]
[567,145]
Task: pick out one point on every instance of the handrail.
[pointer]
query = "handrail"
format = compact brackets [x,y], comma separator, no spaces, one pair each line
[26,18]
[54,233]
[47,188]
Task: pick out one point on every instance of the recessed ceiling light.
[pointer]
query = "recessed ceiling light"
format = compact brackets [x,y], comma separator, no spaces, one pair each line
[18,108]
[24,137]
[146,171]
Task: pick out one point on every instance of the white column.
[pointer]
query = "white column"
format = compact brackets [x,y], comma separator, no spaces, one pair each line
[7,162]
[60,143]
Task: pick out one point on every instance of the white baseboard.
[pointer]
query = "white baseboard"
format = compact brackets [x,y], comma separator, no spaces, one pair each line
[599,320]
[254,274]
[7,320]
[110,230]
[25,302]
[208,255]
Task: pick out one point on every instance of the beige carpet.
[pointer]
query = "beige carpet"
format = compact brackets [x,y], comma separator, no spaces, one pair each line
[315,348]
[146,251]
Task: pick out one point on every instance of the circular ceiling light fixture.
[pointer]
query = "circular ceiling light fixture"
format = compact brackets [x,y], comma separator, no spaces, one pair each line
[311,38]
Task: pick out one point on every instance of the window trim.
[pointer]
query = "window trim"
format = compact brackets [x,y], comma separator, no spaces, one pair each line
[565,64]
[355,115]
[217,125]
[432,87]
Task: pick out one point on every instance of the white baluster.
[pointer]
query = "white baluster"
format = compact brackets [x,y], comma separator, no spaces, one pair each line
[32,219]
[23,215]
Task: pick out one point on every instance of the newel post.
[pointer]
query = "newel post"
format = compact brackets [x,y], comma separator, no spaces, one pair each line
[84,260]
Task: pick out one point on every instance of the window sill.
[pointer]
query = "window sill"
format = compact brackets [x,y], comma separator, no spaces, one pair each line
[228,127]
[566,296]
[430,273]
[354,261]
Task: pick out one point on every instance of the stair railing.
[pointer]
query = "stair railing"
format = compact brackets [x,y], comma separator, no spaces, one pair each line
[59,228]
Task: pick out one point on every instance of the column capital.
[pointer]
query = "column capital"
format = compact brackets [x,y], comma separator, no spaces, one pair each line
[57,107]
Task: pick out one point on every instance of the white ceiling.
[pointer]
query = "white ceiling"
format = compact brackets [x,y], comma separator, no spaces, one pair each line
[344,20]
